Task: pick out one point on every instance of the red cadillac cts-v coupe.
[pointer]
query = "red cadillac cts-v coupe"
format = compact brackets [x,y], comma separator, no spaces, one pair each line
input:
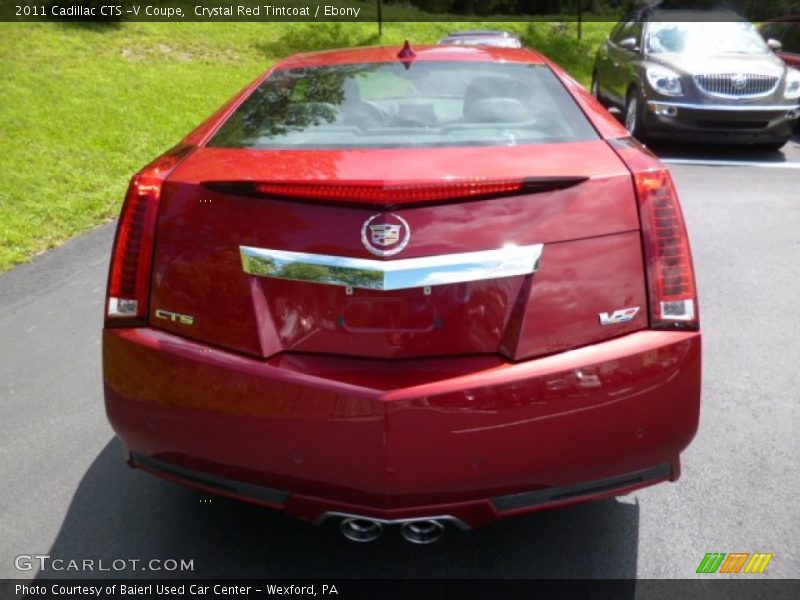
[407,286]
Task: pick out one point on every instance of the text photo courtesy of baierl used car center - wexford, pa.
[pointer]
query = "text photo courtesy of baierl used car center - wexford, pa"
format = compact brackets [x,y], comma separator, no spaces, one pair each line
[372,299]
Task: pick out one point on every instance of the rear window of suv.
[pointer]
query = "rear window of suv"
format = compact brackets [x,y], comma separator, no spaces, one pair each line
[386,105]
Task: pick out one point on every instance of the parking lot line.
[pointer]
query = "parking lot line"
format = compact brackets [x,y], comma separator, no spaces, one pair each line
[731,163]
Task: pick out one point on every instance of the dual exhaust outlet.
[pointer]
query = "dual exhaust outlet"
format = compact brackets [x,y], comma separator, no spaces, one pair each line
[420,531]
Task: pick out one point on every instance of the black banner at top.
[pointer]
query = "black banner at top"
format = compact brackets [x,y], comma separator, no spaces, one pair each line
[385,10]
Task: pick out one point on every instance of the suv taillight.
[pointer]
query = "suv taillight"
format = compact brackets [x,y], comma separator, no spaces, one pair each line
[129,273]
[670,275]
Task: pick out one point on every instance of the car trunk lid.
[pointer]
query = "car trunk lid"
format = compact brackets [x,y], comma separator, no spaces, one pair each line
[579,213]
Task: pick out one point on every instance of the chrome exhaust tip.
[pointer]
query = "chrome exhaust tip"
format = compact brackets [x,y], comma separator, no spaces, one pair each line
[422,532]
[360,530]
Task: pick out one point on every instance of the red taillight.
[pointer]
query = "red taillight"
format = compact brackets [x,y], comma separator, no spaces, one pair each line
[673,295]
[370,192]
[129,274]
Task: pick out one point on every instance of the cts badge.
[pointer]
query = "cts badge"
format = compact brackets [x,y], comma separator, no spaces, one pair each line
[622,315]
[174,317]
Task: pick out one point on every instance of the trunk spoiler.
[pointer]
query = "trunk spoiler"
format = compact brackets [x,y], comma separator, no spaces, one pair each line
[390,195]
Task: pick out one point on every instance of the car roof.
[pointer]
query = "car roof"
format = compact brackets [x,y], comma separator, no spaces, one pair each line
[378,54]
[661,14]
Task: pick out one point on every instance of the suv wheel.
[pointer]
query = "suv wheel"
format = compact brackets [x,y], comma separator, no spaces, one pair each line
[633,114]
[595,89]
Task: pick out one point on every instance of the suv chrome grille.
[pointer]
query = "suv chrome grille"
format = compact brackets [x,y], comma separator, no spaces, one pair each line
[737,85]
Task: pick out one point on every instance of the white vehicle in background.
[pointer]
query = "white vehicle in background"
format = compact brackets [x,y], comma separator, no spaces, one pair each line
[483,37]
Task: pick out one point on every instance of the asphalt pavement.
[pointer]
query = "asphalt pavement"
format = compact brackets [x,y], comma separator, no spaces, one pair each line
[67,493]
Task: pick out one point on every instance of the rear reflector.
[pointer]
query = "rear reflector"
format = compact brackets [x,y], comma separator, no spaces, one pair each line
[673,295]
[129,273]
[386,194]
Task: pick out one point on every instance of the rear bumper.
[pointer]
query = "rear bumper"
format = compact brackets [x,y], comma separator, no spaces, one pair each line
[720,124]
[473,438]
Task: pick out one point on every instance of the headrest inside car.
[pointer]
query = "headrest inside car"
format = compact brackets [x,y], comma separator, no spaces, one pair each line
[496,110]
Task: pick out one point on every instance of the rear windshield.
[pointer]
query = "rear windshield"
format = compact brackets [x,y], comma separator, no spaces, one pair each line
[386,105]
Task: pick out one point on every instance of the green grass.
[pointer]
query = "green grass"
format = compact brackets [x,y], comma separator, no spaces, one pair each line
[83,107]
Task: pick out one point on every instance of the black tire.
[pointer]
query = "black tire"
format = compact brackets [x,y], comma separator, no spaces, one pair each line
[595,89]
[632,114]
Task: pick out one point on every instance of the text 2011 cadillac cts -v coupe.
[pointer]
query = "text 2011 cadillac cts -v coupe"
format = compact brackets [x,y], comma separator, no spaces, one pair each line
[405,286]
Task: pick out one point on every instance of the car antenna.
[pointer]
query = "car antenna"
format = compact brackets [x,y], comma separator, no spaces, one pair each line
[407,54]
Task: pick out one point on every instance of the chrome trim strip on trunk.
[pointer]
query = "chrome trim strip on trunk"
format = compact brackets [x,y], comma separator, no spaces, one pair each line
[733,107]
[398,274]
